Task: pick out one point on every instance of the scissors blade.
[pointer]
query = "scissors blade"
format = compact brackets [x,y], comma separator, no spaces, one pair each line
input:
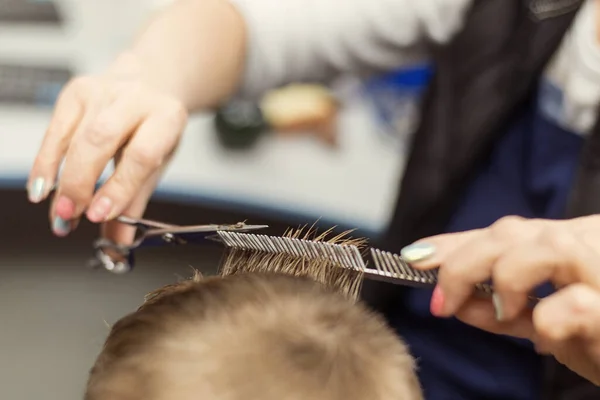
[144,223]
[195,233]
[180,230]
[154,233]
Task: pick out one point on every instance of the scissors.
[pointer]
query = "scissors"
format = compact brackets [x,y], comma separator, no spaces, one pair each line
[119,259]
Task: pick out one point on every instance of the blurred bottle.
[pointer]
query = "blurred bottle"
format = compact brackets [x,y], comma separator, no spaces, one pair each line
[396,99]
[239,124]
[301,109]
[294,110]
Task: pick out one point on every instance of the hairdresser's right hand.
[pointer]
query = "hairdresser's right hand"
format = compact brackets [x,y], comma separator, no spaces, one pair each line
[119,115]
[519,255]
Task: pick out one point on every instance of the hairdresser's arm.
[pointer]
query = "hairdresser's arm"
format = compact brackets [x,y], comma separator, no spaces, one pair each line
[300,40]
[204,51]
[194,50]
[519,255]
[195,55]
[188,57]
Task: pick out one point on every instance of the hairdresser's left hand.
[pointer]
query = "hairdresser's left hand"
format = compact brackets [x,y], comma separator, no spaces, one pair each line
[519,255]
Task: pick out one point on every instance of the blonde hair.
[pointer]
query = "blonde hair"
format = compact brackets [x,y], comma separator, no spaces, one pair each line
[341,279]
[252,336]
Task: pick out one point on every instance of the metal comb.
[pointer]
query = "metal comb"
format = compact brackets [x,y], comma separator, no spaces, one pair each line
[344,255]
[389,267]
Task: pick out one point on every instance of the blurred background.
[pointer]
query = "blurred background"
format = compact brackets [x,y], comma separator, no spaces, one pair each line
[301,153]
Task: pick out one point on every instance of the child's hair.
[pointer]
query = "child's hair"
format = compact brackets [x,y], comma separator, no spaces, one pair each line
[323,270]
[252,337]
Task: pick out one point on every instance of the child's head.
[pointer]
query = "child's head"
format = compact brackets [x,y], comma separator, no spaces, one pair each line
[252,337]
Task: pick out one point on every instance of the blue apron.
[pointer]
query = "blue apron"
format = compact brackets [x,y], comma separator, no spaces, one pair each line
[529,173]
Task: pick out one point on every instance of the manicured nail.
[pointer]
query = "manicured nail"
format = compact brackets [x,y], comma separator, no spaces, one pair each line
[64,208]
[61,227]
[36,190]
[417,252]
[100,209]
[497,301]
[437,301]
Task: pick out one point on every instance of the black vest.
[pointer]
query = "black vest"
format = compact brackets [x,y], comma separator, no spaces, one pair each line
[481,77]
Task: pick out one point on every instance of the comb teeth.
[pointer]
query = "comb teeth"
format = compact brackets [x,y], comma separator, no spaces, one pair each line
[388,266]
[391,265]
[347,256]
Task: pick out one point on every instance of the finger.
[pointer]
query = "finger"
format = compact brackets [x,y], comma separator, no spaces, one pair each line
[572,312]
[581,356]
[517,272]
[124,234]
[557,255]
[465,267]
[473,263]
[521,269]
[145,154]
[62,209]
[94,146]
[427,253]
[67,114]
[587,223]
[480,313]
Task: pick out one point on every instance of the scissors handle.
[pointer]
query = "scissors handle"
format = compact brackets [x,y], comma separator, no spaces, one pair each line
[120,258]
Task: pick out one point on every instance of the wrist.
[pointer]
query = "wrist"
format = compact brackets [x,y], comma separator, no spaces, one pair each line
[127,64]
[130,65]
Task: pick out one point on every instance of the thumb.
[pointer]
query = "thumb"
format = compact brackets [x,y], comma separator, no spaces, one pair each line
[572,312]
[568,324]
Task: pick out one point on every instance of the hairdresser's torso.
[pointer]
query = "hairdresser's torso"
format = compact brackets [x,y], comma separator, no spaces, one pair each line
[526,161]
[514,96]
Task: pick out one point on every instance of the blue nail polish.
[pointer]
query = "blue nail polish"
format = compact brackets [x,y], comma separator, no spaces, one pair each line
[61,227]
[36,190]
[497,301]
[417,252]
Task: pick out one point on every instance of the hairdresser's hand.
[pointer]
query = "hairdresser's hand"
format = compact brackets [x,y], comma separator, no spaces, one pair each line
[519,255]
[96,119]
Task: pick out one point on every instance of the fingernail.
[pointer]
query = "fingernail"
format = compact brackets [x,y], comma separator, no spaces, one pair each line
[417,252]
[36,190]
[100,209]
[61,227]
[64,208]
[497,301]
[437,301]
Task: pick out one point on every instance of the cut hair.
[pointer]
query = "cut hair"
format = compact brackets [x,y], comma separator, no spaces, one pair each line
[252,336]
[346,281]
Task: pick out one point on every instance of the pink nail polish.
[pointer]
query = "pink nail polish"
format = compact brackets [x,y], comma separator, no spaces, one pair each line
[100,209]
[437,301]
[64,208]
